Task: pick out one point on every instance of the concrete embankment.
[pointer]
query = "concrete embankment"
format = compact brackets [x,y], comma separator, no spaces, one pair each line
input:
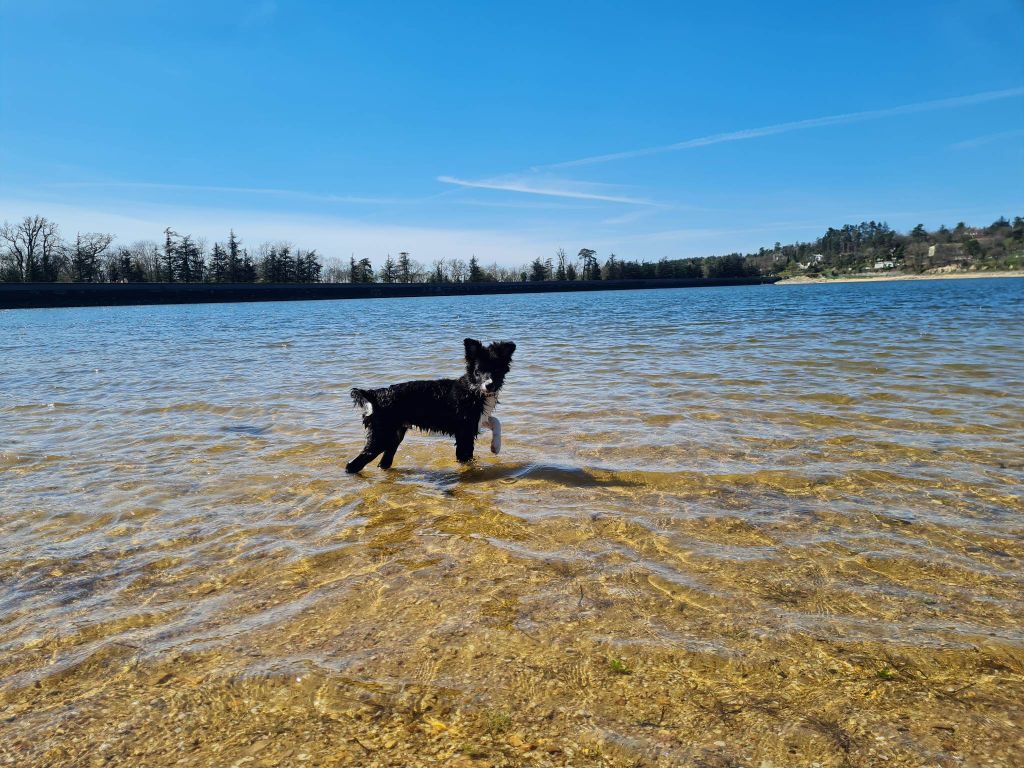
[38,295]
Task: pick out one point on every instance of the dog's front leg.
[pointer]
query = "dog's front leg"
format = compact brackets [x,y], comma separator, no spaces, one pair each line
[495,427]
[464,446]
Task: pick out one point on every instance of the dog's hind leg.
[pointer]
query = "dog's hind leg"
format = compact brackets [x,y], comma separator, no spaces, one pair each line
[374,447]
[389,452]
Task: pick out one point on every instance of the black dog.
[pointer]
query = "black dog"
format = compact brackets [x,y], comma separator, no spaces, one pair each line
[459,408]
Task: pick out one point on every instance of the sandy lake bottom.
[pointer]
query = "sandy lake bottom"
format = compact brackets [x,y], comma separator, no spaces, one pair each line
[760,526]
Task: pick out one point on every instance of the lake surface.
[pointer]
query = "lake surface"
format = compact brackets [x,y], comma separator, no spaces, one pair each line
[753,526]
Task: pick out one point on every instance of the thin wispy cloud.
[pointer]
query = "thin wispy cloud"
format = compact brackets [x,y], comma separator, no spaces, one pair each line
[987,139]
[555,188]
[303,196]
[797,125]
[534,206]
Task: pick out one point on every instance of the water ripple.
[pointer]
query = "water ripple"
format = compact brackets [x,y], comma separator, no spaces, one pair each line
[712,485]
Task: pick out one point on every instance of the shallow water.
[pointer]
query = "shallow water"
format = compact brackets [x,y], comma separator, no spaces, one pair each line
[764,525]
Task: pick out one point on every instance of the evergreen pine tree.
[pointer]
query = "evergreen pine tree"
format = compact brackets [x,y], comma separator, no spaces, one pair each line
[612,268]
[83,262]
[591,270]
[308,267]
[285,265]
[170,255]
[197,263]
[219,269]
[365,269]
[247,270]
[388,272]
[182,268]
[234,262]
[267,266]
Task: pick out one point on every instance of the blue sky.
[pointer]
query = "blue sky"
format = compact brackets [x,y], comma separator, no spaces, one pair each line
[507,131]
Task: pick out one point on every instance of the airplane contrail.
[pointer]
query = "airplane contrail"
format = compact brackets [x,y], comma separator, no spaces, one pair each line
[534,188]
[797,125]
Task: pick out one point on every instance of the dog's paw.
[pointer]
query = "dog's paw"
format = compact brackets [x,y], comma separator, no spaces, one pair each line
[496,445]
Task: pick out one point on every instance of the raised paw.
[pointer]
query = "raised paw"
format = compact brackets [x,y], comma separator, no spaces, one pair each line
[495,435]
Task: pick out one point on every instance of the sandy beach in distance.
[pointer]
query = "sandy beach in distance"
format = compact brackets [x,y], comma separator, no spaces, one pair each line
[886,278]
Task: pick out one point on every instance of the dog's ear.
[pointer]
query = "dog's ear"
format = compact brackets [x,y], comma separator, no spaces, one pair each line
[503,349]
[473,348]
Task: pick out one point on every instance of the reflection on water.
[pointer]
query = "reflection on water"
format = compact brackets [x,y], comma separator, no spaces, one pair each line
[743,526]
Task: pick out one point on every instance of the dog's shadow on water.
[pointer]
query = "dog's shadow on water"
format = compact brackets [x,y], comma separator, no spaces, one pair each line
[449,480]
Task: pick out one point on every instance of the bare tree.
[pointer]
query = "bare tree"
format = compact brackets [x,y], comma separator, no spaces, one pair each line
[33,249]
[417,272]
[138,263]
[458,270]
[563,257]
[334,271]
[504,274]
[146,254]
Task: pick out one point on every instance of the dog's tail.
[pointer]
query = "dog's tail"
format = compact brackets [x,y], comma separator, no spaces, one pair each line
[363,398]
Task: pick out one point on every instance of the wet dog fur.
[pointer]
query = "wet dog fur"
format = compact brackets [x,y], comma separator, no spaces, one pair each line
[459,408]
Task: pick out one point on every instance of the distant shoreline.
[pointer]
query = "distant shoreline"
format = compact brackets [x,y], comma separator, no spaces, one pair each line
[889,278]
[56,295]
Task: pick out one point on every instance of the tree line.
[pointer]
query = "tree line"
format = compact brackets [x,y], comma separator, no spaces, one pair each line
[33,250]
[874,246]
